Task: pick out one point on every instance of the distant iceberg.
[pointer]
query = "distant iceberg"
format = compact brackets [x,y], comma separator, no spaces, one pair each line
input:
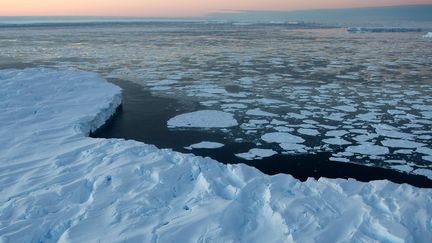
[428,35]
[382,29]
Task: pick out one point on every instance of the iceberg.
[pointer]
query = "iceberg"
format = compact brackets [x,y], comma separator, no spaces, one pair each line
[59,185]
[428,35]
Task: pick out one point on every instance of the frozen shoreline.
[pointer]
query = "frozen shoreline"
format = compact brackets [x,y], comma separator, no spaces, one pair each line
[59,185]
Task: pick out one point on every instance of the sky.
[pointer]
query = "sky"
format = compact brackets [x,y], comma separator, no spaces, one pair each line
[174,8]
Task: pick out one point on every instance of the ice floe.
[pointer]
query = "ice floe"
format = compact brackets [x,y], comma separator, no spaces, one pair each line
[336,141]
[281,137]
[203,119]
[205,145]
[401,143]
[256,154]
[309,132]
[368,149]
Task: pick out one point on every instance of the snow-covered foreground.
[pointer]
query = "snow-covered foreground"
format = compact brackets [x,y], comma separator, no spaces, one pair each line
[57,184]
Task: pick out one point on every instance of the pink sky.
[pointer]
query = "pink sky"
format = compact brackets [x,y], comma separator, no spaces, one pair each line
[173,8]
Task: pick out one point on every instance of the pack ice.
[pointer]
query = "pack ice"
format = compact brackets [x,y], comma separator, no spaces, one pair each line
[57,184]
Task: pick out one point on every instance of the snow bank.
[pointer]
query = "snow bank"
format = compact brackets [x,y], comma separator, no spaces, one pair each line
[56,184]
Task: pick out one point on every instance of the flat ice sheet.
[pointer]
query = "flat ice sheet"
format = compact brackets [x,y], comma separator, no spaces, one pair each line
[203,119]
[256,154]
[206,145]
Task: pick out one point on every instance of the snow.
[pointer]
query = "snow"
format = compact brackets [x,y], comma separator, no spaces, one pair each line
[256,154]
[203,119]
[58,185]
[206,145]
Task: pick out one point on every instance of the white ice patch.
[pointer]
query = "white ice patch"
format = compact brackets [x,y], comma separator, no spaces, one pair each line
[404,168]
[424,172]
[346,108]
[205,145]
[428,35]
[336,133]
[345,160]
[203,119]
[281,137]
[336,141]
[256,154]
[387,131]
[401,143]
[368,149]
[259,112]
[424,150]
[309,132]
[293,147]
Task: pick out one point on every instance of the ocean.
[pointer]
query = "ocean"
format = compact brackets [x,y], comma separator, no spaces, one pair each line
[305,97]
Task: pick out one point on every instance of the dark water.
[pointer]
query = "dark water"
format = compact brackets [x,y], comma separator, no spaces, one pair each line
[143,117]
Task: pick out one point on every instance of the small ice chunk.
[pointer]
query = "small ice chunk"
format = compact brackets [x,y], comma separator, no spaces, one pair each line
[234,106]
[404,168]
[346,108]
[424,150]
[336,133]
[259,112]
[270,101]
[256,154]
[403,151]
[203,119]
[281,137]
[336,141]
[424,172]
[283,129]
[205,145]
[309,132]
[258,122]
[401,143]
[278,122]
[365,137]
[339,159]
[392,133]
[299,148]
[428,35]
[368,149]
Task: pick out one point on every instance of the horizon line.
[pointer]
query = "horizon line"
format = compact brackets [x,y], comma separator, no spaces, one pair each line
[221,11]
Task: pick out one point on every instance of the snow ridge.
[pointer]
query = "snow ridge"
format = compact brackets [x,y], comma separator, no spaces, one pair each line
[57,185]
